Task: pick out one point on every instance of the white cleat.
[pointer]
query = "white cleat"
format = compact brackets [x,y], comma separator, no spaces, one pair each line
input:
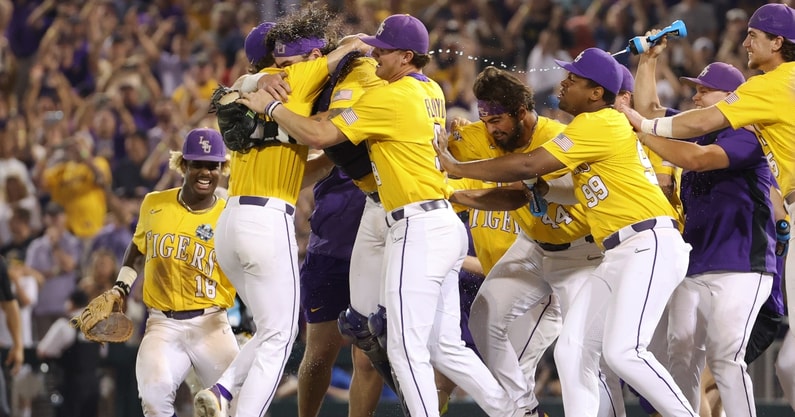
[210,403]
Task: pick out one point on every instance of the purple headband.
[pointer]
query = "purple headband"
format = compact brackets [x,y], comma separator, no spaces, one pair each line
[301,46]
[490,108]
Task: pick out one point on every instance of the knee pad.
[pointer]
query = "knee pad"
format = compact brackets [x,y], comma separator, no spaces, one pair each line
[353,327]
[377,325]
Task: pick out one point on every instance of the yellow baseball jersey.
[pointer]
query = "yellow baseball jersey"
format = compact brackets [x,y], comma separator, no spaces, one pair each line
[765,102]
[613,178]
[399,121]
[493,232]
[276,170]
[73,186]
[180,271]
[348,91]
[561,224]
[663,167]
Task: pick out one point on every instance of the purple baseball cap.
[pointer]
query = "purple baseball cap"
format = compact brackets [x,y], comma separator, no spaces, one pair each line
[204,145]
[717,76]
[776,18]
[627,80]
[255,42]
[598,66]
[400,31]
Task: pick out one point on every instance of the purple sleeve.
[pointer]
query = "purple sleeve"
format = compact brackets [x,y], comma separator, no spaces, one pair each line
[742,148]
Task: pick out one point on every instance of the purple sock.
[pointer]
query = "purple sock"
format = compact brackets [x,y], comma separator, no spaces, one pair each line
[224,392]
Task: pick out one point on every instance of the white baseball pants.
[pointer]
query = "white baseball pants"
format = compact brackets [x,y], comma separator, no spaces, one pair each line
[525,276]
[785,364]
[171,347]
[367,260]
[424,252]
[256,247]
[615,314]
[711,316]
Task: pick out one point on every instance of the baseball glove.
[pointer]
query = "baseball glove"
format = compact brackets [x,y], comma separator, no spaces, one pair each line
[103,320]
[235,121]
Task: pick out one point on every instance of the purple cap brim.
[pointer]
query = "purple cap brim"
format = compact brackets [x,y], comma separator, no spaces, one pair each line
[375,42]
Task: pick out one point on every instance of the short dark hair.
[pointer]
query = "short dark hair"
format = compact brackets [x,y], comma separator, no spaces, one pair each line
[420,60]
[494,84]
[608,96]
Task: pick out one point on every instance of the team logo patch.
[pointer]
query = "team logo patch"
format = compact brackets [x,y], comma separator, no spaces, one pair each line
[204,232]
[342,95]
[349,116]
[564,142]
[207,147]
[731,98]
[457,135]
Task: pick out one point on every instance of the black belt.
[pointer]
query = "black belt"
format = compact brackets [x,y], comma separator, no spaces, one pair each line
[552,247]
[250,200]
[400,213]
[184,314]
[374,196]
[614,240]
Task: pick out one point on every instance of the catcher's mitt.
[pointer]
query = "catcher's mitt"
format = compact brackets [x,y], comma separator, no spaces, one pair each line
[103,321]
[235,121]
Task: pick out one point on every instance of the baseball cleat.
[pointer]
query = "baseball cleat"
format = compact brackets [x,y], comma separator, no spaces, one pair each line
[210,403]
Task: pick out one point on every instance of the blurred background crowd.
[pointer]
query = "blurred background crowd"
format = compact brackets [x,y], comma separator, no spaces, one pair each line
[95,93]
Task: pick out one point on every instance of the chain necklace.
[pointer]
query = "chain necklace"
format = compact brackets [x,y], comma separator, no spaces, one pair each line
[190,210]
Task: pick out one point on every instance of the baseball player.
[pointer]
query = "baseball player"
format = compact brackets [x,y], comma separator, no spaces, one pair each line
[185,291]
[491,234]
[425,243]
[645,258]
[712,312]
[339,203]
[551,254]
[258,250]
[771,48]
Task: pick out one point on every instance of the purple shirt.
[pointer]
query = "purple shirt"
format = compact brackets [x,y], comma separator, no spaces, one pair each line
[55,291]
[338,211]
[729,216]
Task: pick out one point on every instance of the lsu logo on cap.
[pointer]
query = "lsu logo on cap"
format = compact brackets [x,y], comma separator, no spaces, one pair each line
[380,29]
[579,56]
[207,147]
[704,72]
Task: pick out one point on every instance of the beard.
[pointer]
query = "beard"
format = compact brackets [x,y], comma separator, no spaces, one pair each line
[513,139]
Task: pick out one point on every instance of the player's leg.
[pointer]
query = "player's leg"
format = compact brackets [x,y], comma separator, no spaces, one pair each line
[512,287]
[366,386]
[531,334]
[737,298]
[785,363]
[324,294]
[366,273]
[686,334]
[161,365]
[421,251]
[451,357]
[264,244]
[213,345]
[643,272]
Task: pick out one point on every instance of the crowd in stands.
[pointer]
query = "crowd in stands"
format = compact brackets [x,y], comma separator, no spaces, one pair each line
[95,93]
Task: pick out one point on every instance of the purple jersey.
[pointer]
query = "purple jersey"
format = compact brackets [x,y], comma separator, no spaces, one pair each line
[729,221]
[339,204]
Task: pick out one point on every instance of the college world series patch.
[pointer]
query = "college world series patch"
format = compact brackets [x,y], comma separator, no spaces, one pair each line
[204,232]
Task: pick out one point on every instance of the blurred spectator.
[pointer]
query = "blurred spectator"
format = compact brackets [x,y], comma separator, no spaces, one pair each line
[22,234]
[730,46]
[100,273]
[78,360]
[55,255]
[699,17]
[454,73]
[78,182]
[541,76]
[10,309]
[127,175]
[10,166]
[17,196]
[193,96]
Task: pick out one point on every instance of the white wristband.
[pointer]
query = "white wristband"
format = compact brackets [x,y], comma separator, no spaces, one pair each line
[661,126]
[271,106]
[561,190]
[126,278]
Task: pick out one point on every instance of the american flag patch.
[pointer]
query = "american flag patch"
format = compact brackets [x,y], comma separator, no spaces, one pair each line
[349,116]
[563,142]
[342,95]
[731,98]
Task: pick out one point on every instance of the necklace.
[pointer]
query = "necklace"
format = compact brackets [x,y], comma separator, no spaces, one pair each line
[190,210]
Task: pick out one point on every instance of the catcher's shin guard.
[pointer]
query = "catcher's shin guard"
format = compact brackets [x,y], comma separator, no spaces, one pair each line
[353,326]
